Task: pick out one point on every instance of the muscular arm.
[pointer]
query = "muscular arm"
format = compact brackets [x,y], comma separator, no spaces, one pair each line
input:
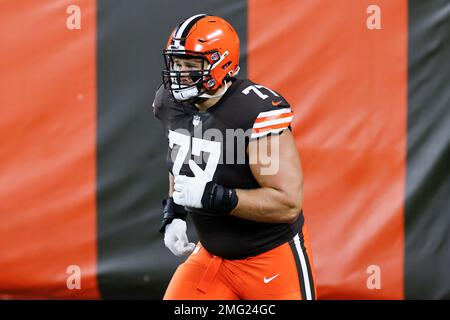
[280,197]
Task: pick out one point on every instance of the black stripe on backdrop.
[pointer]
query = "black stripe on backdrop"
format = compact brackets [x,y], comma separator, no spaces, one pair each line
[427,212]
[131,172]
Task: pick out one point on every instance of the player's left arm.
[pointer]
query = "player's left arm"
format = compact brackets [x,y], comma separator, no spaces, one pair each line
[280,197]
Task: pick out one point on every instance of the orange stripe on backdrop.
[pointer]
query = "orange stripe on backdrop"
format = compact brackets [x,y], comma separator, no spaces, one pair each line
[47,150]
[347,86]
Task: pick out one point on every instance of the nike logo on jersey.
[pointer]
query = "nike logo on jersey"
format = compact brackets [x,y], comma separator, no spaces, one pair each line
[276,103]
[267,280]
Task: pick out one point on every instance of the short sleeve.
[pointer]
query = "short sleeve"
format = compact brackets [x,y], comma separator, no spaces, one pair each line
[271,122]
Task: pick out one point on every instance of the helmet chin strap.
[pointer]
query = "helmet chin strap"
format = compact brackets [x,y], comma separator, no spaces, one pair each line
[209,96]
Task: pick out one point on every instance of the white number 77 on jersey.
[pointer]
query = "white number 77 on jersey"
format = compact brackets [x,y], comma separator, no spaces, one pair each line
[198,145]
[255,88]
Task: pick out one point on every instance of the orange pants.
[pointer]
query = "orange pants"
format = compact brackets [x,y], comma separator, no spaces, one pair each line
[285,272]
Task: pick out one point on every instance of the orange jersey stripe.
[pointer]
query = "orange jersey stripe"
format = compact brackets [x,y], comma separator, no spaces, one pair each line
[268,128]
[274,117]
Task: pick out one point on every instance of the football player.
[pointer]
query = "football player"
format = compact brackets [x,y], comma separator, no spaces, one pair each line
[253,239]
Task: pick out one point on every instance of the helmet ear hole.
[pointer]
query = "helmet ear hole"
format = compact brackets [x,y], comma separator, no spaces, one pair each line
[215,56]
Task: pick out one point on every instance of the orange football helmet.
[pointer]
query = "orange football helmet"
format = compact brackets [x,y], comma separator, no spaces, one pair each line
[215,42]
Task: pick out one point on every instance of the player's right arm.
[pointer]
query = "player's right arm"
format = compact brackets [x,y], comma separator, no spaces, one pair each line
[173,224]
